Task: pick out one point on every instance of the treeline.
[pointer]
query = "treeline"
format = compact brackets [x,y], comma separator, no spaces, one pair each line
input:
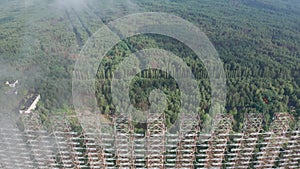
[259,44]
[250,89]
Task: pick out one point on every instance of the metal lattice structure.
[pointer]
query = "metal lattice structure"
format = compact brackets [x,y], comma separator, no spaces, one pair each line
[95,145]
[93,140]
[245,146]
[274,140]
[188,137]
[38,137]
[218,141]
[14,152]
[156,132]
[291,155]
[124,142]
[66,141]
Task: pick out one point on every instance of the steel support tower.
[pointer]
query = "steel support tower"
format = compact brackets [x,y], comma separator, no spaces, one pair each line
[188,137]
[124,141]
[274,140]
[37,138]
[218,140]
[291,155]
[155,140]
[247,143]
[93,140]
[66,143]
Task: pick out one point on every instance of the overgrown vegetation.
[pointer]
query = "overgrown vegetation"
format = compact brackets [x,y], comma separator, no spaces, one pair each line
[258,41]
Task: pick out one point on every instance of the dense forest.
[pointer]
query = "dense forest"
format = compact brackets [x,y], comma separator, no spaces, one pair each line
[258,41]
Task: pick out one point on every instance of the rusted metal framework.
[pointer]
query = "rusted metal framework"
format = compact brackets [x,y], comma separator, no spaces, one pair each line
[94,152]
[38,140]
[66,142]
[14,152]
[291,155]
[139,150]
[218,140]
[92,138]
[188,137]
[97,147]
[274,140]
[246,144]
[124,141]
[155,138]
